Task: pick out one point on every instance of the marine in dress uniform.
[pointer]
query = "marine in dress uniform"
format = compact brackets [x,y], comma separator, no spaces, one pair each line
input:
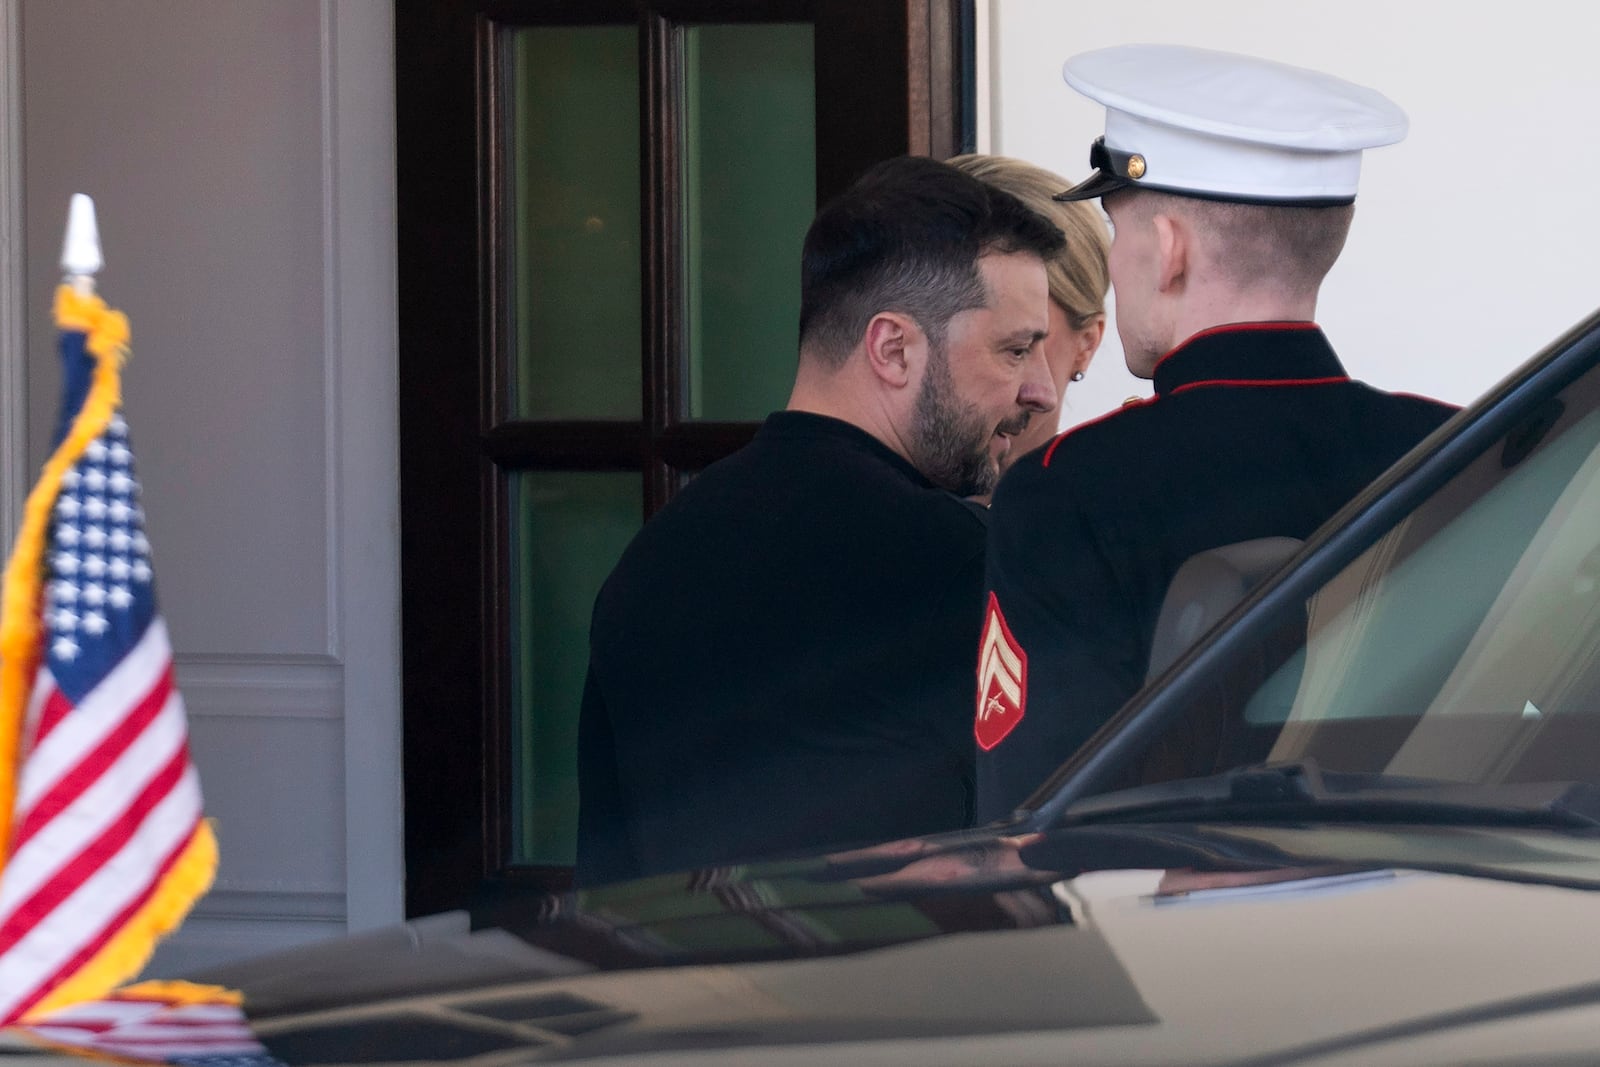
[1254,429]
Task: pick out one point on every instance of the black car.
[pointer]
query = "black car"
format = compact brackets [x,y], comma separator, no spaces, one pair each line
[1358,823]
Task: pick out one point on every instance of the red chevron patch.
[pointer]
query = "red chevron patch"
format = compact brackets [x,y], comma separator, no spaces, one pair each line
[1002,680]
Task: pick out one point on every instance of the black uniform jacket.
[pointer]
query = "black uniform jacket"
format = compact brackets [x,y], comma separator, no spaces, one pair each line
[783,659]
[1254,431]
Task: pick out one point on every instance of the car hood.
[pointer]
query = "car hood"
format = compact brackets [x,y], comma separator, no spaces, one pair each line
[1161,944]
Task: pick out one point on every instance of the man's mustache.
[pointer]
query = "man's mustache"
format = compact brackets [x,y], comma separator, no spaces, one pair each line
[1015,425]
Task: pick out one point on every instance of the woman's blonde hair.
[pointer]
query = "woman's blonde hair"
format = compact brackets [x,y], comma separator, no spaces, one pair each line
[1078,275]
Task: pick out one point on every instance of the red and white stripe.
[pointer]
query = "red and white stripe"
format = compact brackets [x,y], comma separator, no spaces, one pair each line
[106,802]
[150,1030]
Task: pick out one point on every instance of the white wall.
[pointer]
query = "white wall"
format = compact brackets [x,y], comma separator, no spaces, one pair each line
[1473,244]
[241,155]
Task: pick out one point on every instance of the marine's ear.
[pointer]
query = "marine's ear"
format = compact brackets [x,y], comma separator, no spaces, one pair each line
[1174,244]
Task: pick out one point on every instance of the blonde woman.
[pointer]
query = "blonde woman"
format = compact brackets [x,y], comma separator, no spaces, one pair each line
[1078,278]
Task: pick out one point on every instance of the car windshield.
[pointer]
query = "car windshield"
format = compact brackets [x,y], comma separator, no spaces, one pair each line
[1462,647]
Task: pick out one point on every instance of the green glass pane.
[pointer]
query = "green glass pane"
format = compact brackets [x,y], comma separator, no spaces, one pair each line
[749,194]
[567,532]
[574,206]
[879,922]
[725,933]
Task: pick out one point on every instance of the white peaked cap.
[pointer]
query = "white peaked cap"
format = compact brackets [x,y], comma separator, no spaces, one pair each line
[1227,127]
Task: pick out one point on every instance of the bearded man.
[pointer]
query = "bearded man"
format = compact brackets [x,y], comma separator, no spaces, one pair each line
[782,659]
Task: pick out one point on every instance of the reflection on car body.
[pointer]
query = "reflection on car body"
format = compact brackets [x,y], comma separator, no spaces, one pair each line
[1359,823]
[1073,947]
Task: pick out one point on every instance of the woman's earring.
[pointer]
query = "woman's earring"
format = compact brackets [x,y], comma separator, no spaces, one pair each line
[1077,375]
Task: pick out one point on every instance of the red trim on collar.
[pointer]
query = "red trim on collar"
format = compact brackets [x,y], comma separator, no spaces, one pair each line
[1233,327]
[1335,380]
[1064,434]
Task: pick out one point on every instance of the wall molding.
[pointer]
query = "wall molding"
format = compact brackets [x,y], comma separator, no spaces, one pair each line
[286,687]
[272,905]
[333,428]
[13,312]
[229,925]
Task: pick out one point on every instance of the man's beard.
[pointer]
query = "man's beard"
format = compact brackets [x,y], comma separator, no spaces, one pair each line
[950,439]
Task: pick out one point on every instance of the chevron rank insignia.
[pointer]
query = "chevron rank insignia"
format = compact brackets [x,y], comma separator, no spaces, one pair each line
[1002,680]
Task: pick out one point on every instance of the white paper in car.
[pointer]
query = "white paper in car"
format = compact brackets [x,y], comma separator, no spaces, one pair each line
[1296,888]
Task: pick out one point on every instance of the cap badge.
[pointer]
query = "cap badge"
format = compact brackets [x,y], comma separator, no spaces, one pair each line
[1136,166]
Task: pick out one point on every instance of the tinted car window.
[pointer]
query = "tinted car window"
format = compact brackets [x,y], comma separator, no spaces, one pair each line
[1462,646]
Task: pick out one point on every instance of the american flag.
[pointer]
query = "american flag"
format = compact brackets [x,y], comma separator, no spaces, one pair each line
[104,848]
[197,1026]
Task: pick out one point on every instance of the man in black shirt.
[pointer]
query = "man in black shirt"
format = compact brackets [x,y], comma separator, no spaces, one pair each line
[1230,183]
[782,658]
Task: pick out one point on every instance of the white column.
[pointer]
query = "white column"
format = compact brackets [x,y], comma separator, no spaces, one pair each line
[364,442]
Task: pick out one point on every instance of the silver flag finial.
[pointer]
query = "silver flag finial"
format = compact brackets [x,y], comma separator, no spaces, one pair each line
[80,252]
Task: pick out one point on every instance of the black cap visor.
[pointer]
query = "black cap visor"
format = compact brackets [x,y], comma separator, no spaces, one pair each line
[1111,173]
[1094,186]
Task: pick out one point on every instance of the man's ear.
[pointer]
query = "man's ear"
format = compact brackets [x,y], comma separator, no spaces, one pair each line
[893,343]
[1172,251]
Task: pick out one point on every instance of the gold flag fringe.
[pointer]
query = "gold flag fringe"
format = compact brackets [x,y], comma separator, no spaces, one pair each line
[125,955]
[20,623]
[190,876]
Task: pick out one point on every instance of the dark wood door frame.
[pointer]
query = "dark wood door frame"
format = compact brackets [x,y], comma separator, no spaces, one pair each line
[913,56]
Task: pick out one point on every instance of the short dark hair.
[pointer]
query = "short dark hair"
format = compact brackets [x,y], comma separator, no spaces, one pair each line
[906,237]
[1288,246]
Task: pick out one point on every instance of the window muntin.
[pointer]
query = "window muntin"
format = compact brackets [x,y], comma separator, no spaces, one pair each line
[585,420]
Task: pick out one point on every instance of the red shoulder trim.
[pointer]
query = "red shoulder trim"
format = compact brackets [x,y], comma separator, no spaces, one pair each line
[1064,434]
[1249,382]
